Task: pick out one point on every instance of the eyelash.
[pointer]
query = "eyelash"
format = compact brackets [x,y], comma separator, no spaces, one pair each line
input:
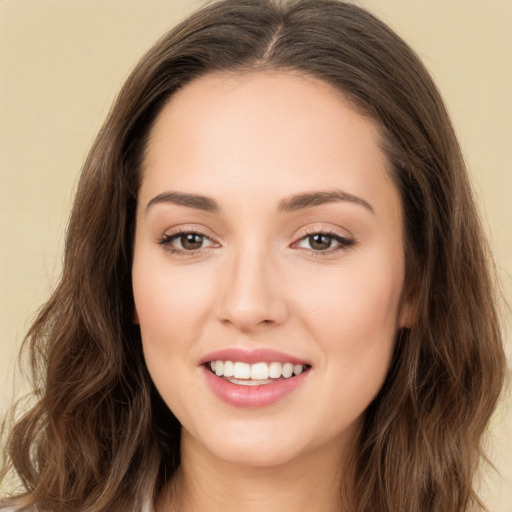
[343,242]
[167,239]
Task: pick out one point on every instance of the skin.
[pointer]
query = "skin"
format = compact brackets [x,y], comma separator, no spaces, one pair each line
[250,142]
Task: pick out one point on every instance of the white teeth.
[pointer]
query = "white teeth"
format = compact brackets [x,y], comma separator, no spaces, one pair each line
[241,371]
[275,370]
[249,382]
[219,368]
[229,368]
[287,370]
[259,373]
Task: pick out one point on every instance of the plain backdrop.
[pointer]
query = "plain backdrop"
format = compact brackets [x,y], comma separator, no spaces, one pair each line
[62,62]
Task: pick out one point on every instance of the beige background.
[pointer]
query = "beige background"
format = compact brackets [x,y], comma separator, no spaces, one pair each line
[61,63]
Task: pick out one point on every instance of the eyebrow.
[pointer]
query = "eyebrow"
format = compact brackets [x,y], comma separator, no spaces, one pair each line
[309,199]
[291,204]
[183,199]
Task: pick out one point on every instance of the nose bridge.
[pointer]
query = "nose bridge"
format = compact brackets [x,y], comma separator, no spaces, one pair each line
[252,296]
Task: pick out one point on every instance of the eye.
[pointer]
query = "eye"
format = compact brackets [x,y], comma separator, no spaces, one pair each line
[324,242]
[184,242]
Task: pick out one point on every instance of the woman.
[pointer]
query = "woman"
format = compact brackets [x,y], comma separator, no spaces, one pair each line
[276,290]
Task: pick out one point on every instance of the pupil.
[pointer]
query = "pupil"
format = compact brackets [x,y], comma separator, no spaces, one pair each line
[320,242]
[191,241]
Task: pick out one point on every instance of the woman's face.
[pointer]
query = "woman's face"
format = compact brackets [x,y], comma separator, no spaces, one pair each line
[268,231]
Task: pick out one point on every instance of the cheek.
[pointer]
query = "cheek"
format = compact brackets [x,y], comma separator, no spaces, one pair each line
[354,305]
[170,305]
[354,321]
[353,314]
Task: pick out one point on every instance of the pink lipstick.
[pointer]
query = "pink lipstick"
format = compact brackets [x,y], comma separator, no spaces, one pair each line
[256,378]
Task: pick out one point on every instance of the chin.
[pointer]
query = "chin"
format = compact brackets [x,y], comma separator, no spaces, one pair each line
[240,443]
[271,444]
[271,455]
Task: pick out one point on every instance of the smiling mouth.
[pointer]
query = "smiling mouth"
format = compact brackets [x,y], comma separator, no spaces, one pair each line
[257,374]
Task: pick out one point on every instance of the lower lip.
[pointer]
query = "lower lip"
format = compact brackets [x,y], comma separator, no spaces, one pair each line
[253,396]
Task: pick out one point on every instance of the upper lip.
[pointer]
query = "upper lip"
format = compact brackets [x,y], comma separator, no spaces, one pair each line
[260,355]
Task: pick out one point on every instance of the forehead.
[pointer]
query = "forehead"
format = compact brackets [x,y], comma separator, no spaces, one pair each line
[265,130]
[260,105]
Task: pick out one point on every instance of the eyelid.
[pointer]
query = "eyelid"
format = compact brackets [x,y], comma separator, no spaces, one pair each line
[325,229]
[175,236]
[172,233]
[344,241]
[187,228]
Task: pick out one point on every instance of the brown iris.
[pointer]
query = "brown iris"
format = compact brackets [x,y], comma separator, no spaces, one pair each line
[191,241]
[320,242]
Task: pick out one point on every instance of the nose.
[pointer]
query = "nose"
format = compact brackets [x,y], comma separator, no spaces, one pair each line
[252,295]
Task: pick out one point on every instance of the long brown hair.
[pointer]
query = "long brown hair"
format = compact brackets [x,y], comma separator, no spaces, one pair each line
[100,438]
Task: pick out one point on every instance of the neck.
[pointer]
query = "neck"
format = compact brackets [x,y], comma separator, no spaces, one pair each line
[310,482]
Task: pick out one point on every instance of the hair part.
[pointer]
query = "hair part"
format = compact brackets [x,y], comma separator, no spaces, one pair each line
[101,438]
